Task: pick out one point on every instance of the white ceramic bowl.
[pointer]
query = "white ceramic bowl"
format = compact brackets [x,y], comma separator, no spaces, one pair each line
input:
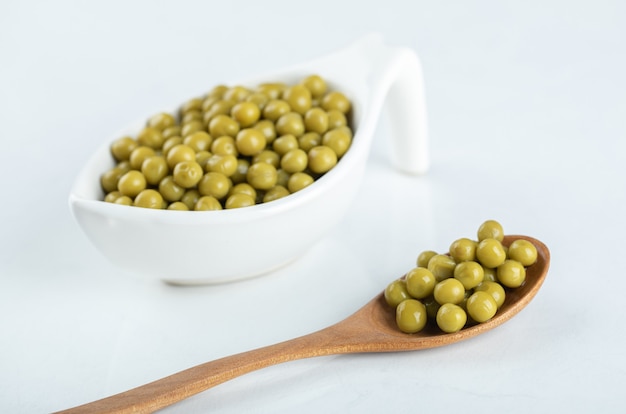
[218,246]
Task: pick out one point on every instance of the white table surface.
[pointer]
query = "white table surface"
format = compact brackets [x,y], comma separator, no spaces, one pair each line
[527,114]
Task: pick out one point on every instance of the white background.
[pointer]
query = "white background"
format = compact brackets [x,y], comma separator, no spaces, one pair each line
[527,118]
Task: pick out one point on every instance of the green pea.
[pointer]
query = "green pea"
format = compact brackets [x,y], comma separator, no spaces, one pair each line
[272,89]
[442,266]
[190,198]
[187,173]
[481,306]
[268,157]
[309,140]
[495,290]
[154,169]
[449,291]
[236,93]
[170,191]
[191,127]
[490,229]
[224,164]
[268,129]
[284,144]
[321,159]
[178,205]
[523,251]
[202,157]
[290,123]
[124,200]
[339,139]
[336,119]
[139,155]
[298,97]
[298,181]
[243,188]
[214,184]
[173,131]
[198,141]
[283,177]
[150,137]
[396,292]
[170,143]
[511,273]
[161,121]
[242,170]
[215,108]
[275,193]
[262,176]
[224,145]
[246,113]
[217,91]
[110,178]
[131,183]
[316,120]
[337,101]
[207,203]
[295,160]
[420,282]
[411,316]
[191,116]
[469,273]
[193,104]
[149,199]
[490,274]
[463,249]
[424,257]
[223,125]
[250,141]
[178,154]
[259,99]
[239,200]
[316,85]
[122,147]
[276,108]
[490,253]
[112,196]
[451,318]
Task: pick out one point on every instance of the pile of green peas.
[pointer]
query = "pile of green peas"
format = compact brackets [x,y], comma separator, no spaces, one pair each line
[233,147]
[465,286]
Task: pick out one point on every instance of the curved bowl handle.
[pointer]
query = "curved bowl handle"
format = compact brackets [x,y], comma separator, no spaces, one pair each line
[407,112]
[397,84]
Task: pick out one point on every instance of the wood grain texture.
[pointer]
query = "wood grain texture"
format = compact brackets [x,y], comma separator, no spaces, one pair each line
[371,329]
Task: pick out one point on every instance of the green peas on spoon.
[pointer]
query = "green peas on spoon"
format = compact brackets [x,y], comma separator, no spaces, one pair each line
[372,328]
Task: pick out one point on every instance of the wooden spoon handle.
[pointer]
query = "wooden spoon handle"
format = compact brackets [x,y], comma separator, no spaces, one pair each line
[174,388]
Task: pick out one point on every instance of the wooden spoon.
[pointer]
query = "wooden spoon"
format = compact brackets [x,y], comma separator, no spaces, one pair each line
[371,329]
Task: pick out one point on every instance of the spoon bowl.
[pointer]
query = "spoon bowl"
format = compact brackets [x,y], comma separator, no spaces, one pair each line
[219,246]
[371,329]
